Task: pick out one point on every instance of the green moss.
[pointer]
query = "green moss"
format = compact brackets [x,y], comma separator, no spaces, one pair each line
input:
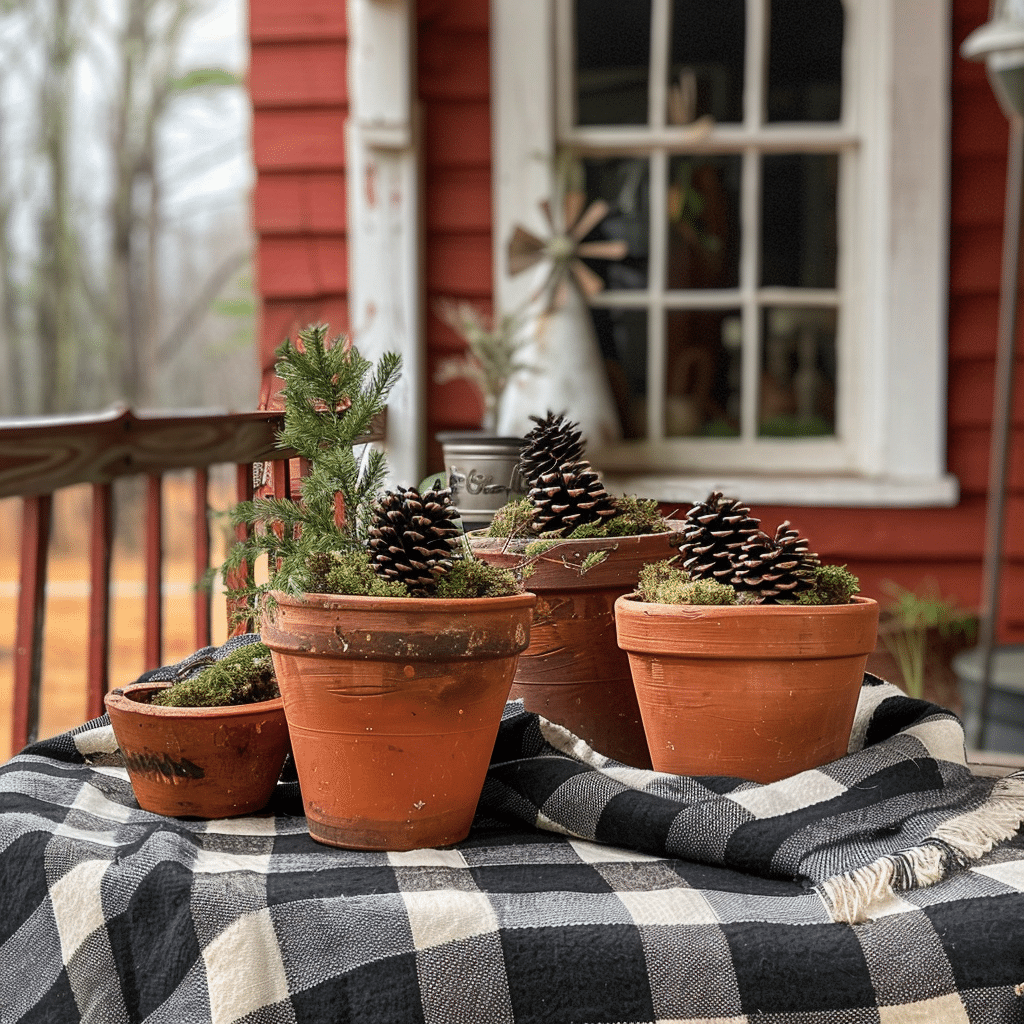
[245,676]
[833,584]
[349,572]
[666,583]
[473,577]
[512,519]
[635,517]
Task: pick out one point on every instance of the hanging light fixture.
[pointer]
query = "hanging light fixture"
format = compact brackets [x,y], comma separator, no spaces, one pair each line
[1000,44]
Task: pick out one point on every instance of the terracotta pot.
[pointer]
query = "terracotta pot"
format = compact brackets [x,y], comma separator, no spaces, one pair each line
[574,672]
[198,762]
[756,692]
[393,705]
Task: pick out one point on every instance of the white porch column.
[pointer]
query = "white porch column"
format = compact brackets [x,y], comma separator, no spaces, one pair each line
[385,292]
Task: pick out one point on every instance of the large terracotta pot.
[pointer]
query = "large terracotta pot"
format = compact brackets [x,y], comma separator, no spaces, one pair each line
[198,762]
[756,692]
[393,705]
[573,672]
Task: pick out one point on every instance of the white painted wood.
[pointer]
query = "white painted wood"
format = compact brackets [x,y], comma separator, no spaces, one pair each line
[892,314]
[382,166]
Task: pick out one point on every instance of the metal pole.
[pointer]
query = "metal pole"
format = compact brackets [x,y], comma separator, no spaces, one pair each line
[1002,411]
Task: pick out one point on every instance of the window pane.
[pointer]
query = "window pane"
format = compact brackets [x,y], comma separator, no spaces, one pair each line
[706,65]
[622,334]
[798,220]
[798,373]
[703,222]
[703,373]
[613,51]
[625,185]
[805,60]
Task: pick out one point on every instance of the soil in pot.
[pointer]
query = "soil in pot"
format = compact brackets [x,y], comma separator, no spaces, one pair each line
[215,762]
[574,673]
[749,691]
[393,706]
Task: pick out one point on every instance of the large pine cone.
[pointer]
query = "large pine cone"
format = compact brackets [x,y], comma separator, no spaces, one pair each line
[412,537]
[779,568]
[714,533]
[553,443]
[569,497]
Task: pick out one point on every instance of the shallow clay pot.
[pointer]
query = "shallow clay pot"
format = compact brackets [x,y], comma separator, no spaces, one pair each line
[393,705]
[574,672]
[198,762]
[756,692]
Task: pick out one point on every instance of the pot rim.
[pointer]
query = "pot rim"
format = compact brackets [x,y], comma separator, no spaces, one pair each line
[517,545]
[410,604]
[123,700]
[631,602]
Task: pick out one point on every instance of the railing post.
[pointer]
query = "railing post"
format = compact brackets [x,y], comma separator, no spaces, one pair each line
[154,548]
[101,536]
[201,556]
[36,519]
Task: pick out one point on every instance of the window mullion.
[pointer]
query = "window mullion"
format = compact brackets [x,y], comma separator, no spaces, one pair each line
[656,358]
[657,83]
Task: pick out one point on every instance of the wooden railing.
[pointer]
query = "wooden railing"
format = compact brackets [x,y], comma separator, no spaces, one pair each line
[40,456]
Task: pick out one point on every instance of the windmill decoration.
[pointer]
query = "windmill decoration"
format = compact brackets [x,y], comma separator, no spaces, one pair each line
[561,343]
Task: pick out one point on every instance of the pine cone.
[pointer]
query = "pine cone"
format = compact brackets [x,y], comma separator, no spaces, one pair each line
[553,443]
[412,537]
[714,533]
[776,568]
[569,497]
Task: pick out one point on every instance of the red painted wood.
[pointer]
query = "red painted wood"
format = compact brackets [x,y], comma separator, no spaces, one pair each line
[154,554]
[454,65]
[458,135]
[101,539]
[36,518]
[285,318]
[299,74]
[979,184]
[201,557]
[296,20]
[459,200]
[460,265]
[312,202]
[969,454]
[452,15]
[970,403]
[298,140]
[973,323]
[302,266]
[972,267]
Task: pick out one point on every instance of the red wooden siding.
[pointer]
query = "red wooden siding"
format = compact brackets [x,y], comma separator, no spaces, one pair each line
[298,83]
[454,90]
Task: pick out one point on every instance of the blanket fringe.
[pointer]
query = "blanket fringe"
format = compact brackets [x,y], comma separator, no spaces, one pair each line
[851,897]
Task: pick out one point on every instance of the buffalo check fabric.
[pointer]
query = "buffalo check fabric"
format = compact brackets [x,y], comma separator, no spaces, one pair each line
[579,896]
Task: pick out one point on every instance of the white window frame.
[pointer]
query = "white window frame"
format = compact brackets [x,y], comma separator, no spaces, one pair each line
[891,441]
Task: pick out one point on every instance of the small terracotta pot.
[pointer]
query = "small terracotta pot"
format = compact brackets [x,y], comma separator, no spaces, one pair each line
[198,762]
[756,692]
[574,672]
[393,705]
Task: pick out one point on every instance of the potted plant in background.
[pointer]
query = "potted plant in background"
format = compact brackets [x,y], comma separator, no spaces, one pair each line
[747,654]
[578,549]
[481,465]
[209,744]
[394,647]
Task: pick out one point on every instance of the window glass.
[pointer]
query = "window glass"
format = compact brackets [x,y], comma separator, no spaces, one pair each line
[798,220]
[798,373]
[706,60]
[703,372]
[622,334]
[805,53]
[703,222]
[613,48]
[625,185]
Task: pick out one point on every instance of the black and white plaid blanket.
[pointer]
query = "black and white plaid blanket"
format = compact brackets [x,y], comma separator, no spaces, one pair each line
[586,892]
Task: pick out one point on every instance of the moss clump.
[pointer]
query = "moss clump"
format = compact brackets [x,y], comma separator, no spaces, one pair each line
[666,583]
[349,572]
[833,584]
[634,517]
[472,577]
[245,676]
[512,519]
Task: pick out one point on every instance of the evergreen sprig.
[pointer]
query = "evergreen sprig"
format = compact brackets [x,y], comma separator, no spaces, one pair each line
[331,395]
